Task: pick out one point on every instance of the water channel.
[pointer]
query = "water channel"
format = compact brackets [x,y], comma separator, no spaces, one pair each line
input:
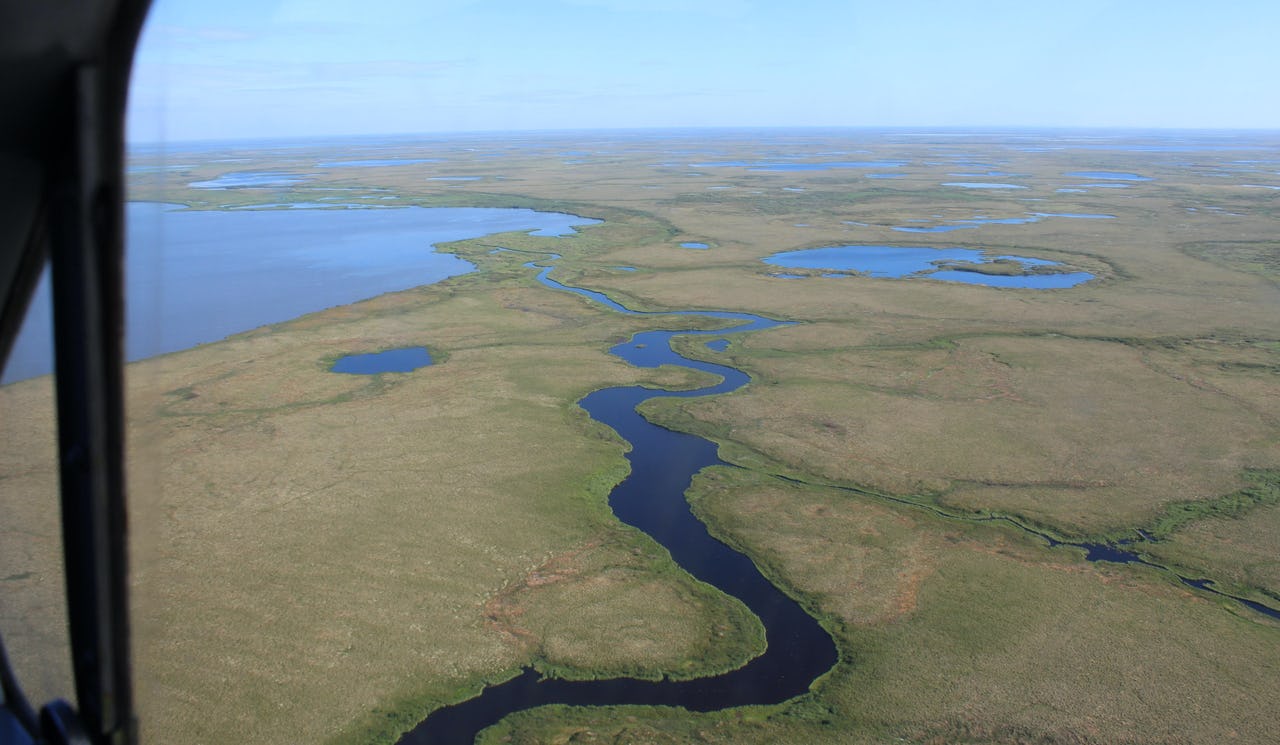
[651,498]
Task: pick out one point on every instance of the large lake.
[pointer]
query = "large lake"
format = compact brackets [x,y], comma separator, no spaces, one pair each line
[197,276]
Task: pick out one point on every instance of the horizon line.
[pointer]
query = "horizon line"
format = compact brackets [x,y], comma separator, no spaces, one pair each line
[915,130]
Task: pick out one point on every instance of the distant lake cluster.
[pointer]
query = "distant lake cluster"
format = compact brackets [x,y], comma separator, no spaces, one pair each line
[358,242]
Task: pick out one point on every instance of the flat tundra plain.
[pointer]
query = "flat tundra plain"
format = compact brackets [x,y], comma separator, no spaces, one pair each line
[328,558]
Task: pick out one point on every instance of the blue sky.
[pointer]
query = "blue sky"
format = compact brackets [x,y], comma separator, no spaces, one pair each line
[264,68]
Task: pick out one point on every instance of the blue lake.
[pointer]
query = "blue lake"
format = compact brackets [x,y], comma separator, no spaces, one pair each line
[923,261]
[932,228]
[1108,175]
[694,244]
[407,359]
[310,206]
[768,166]
[982,185]
[158,168]
[977,222]
[1076,215]
[828,166]
[375,162]
[1029,281]
[986,174]
[1001,220]
[973,222]
[244,179]
[194,277]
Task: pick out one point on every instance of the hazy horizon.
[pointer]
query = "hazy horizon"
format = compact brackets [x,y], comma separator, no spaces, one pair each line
[904,130]
[311,68]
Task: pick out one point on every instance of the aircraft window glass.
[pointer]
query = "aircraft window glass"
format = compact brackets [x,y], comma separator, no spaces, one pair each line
[32,597]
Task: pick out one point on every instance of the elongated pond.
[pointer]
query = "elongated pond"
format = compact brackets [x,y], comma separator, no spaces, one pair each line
[651,498]
[965,265]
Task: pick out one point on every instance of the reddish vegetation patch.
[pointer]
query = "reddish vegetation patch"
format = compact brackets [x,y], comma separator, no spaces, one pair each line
[503,611]
[908,590]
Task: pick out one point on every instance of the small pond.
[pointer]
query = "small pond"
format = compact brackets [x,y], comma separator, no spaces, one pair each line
[407,359]
[985,174]
[694,244]
[947,264]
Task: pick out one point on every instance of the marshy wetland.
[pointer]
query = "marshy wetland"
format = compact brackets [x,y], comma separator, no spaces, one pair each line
[326,557]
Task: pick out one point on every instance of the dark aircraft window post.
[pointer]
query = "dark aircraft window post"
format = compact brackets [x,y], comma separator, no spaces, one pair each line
[64,128]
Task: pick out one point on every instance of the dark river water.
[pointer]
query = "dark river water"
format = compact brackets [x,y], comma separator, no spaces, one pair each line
[651,498]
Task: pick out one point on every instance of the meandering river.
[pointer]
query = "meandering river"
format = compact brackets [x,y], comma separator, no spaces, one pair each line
[651,498]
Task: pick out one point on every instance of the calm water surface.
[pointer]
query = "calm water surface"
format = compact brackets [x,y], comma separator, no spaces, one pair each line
[922,261]
[375,162]
[1108,175]
[407,359]
[651,498]
[982,185]
[194,277]
[248,179]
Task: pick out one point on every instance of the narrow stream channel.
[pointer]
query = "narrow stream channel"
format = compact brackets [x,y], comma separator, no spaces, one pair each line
[651,498]
[1121,552]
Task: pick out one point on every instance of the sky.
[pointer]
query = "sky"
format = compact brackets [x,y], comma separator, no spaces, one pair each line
[236,69]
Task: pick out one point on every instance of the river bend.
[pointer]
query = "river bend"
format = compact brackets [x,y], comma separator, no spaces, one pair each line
[651,498]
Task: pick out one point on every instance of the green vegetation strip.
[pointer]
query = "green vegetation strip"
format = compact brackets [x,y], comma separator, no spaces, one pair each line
[1264,490]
